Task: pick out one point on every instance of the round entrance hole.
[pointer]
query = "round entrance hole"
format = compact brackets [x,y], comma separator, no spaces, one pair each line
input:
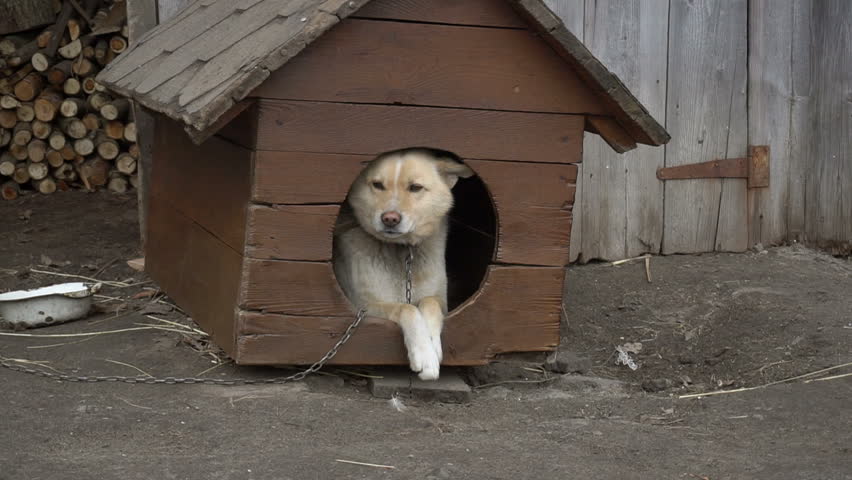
[472,233]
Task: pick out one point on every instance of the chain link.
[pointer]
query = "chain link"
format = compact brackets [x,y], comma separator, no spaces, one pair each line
[409,262]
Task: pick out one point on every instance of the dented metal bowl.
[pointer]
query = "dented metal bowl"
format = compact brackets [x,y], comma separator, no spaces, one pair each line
[47,305]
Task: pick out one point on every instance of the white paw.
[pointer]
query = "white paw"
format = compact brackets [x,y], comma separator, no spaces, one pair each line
[422,359]
[435,338]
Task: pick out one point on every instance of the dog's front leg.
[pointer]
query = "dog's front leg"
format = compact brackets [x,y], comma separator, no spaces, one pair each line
[433,313]
[422,357]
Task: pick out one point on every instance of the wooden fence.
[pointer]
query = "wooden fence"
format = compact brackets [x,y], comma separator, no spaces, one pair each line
[720,75]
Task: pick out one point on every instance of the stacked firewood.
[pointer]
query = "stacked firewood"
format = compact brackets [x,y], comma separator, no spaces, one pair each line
[59,128]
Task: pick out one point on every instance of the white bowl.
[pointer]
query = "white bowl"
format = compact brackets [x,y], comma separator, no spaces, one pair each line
[47,305]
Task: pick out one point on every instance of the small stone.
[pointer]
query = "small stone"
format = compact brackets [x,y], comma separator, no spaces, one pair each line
[656,385]
[568,362]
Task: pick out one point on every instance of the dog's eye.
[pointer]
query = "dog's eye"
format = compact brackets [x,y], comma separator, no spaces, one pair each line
[415,187]
[378,185]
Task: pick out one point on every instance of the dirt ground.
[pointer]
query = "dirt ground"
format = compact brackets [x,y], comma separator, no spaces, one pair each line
[705,323]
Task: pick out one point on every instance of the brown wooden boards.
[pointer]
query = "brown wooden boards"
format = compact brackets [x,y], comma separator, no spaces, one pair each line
[195,268]
[207,183]
[533,202]
[518,309]
[491,13]
[292,287]
[437,65]
[372,129]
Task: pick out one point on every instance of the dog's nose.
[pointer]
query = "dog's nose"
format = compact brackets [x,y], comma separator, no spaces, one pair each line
[391,219]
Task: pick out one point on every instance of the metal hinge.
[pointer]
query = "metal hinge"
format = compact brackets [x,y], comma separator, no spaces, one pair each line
[754,167]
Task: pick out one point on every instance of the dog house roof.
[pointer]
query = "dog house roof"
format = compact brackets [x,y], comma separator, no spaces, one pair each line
[195,67]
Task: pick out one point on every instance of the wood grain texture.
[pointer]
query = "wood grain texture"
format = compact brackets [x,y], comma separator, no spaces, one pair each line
[490,13]
[620,202]
[611,132]
[208,183]
[828,175]
[194,268]
[291,232]
[292,287]
[533,202]
[331,128]
[517,309]
[438,65]
[706,114]
[299,178]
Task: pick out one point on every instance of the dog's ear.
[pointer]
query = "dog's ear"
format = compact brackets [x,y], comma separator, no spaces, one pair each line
[452,170]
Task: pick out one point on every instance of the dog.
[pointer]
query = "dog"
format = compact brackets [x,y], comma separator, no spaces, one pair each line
[400,202]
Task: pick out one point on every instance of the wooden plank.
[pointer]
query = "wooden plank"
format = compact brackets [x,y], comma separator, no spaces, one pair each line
[706,114]
[20,15]
[298,178]
[292,287]
[801,123]
[195,269]
[366,129]
[209,183]
[517,309]
[828,176]
[611,132]
[438,65]
[619,210]
[491,13]
[533,204]
[533,201]
[291,232]
[770,86]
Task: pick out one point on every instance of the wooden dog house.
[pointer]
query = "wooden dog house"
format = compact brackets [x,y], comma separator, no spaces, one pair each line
[267,111]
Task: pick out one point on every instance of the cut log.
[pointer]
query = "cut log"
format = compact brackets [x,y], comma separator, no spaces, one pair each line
[22,55]
[58,28]
[73,107]
[8,119]
[41,129]
[22,134]
[43,38]
[74,29]
[134,150]
[117,184]
[68,152]
[84,146]
[7,83]
[107,148]
[7,164]
[92,121]
[111,20]
[101,48]
[71,86]
[37,170]
[10,190]
[115,109]
[36,150]
[65,172]
[26,112]
[56,140]
[114,130]
[130,132]
[9,102]
[94,172]
[98,100]
[21,175]
[47,104]
[88,52]
[134,180]
[73,127]
[54,158]
[59,73]
[5,137]
[28,88]
[45,185]
[41,62]
[72,50]
[117,44]
[82,67]
[19,151]
[9,44]
[89,85]
[125,164]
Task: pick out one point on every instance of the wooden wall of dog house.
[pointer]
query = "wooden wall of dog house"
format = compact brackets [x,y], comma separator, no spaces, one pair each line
[533,204]
[320,127]
[433,65]
[529,296]
[196,226]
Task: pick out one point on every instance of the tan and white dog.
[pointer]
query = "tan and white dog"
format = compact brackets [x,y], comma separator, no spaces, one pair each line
[400,199]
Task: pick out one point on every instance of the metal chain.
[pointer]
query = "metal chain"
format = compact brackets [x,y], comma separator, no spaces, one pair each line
[409,261]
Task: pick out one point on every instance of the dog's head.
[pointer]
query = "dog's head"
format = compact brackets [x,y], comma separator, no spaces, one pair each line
[403,196]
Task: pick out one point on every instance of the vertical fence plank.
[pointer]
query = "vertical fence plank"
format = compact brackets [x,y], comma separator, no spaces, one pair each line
[706,115]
